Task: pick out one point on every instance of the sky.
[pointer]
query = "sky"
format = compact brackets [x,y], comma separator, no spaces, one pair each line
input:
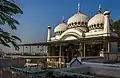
[38,14]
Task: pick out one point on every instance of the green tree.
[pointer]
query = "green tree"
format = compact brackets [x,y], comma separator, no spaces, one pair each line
[8,10]
[116,26]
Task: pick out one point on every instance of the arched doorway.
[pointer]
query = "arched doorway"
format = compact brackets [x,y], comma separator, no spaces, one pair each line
[68,51]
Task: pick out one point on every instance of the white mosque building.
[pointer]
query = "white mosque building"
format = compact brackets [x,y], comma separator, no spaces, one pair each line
[81,36]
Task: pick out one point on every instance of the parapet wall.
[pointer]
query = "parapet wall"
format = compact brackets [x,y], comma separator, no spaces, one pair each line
[113,56]
[103,69]
[96,68]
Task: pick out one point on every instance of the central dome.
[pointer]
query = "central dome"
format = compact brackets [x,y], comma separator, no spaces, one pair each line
[79,20]
[78,17]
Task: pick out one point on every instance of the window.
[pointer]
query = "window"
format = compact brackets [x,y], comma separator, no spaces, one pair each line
[118,46]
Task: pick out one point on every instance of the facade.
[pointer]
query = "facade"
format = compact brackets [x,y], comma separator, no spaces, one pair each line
[81,27]
[80,36]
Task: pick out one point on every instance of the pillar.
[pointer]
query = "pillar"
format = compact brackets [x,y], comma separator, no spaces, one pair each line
[81,49]
[49,34]
[84,50]
[108,47]
[107,30]
[107,23]
[60,57]
[48,53]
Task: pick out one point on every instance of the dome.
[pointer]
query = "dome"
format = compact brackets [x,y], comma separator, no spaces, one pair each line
[78,17]
[60,28]
[78,20]
[107,13]
[97,21]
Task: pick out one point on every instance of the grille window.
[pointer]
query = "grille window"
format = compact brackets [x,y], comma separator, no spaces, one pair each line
[119,46]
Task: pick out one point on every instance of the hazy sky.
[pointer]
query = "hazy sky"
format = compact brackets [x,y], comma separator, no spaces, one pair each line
[38,14]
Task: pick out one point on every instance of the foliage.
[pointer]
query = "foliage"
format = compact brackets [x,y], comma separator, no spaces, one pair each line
[8,9]
[117,26]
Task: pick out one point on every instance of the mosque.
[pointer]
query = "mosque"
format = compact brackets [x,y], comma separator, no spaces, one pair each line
[80,36]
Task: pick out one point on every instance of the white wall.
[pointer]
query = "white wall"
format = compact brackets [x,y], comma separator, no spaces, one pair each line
[34,49]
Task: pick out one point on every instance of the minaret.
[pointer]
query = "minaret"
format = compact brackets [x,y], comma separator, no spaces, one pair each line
[49,34]
[107,23]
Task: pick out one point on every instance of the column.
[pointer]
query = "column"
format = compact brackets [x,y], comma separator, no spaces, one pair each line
[107,23]
[48,53]
[60,57]
[49,34]
[81,49]
[104,48]
[84,50]
[108,48]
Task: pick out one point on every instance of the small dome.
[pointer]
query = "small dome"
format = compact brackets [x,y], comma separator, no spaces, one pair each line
[60,28]
[97,19]
[107,13]
[96,22]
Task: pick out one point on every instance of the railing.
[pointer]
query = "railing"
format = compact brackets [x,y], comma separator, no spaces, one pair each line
[58,62]
[112,55]
[53,64]
[19,56]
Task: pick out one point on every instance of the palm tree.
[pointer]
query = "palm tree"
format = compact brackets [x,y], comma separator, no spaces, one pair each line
[8,9]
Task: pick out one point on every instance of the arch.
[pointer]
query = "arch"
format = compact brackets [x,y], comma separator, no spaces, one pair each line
[76,33]
[71,34]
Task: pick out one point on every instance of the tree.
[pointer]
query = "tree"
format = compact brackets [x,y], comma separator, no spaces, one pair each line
[116,26]
[8,9]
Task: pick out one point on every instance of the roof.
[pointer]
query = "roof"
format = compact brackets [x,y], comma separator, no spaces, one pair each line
[76,41]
